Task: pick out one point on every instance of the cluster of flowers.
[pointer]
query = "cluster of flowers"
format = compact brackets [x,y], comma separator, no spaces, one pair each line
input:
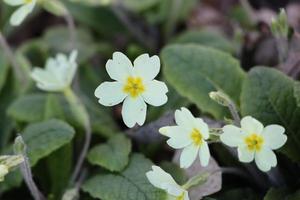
[135,85]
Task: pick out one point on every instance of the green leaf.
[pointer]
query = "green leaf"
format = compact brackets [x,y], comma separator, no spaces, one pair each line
[114,155]
[176,172]
[206,38]
[282,193]
[194,71]
[100,19]
[59,172]
[29,108]
[131,184]
[58,40]
[268,95]
[43,138]
[4,67]
[138,5]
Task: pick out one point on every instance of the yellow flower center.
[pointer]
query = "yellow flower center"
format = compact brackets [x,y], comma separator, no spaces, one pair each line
[254,142]
[181,197]
[134,86]
[196,136]
[28,1]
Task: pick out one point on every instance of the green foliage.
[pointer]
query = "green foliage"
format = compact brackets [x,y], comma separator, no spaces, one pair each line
[37,107]
[138,5]
[268,95]
[281,193]
[177,173]
[43,138]
[194,71]
[57,39]
[100,19]
[130,184]
[114,155]
[206,38]
[3,70]
[29,108]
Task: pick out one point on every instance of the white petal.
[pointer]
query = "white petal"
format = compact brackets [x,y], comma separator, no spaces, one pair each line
[147,67]
[46,80]
[232,136]
[274,137]
[159,178]
[188,156]
[179,138]
[244,154]
[155,93]
[184,118]
[110,93]
[134,111]
[14,2]
[251,125]
[265,159]
[120,67]
[186,195]
[204,154]
[202,127]
[19,15]
[72,65]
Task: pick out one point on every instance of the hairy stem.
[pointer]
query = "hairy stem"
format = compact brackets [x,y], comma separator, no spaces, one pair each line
[10,55]
[235,115]
[20,148]
[81,115]
[118,10]
[88,136]
[72,30]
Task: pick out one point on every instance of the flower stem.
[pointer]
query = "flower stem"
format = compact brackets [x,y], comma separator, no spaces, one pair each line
[142,37]
[83,119]
[72,30]
[199,179]
[26,170]
[10,55]
[233,110]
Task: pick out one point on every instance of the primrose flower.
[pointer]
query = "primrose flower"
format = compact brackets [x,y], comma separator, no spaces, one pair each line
[134,84]
[26,7]
[58,73]
[3,171]
[254,141]
[161,179]
[190,134]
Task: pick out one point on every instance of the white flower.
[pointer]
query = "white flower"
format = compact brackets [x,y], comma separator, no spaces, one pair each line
[191,134]
[58,73]
[134,84]
[161,179]
[254,141]
[3,171]
[26,7]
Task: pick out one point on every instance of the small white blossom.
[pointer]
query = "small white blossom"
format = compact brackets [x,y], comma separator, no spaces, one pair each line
[161,179]
[3,171]
[58,73]
[255,142]
[26,7]
[134,84]
[190,134]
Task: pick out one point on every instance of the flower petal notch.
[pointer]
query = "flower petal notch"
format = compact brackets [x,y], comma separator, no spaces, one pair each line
[58,73]
[191,134]
[255,142]
[161,179]
[26,7]
[134,84]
